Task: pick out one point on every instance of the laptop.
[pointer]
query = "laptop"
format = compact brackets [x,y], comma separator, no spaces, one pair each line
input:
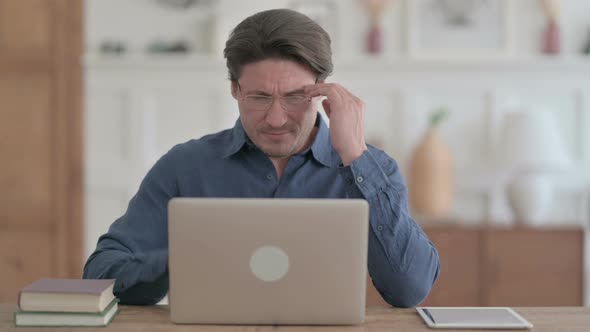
[267,261]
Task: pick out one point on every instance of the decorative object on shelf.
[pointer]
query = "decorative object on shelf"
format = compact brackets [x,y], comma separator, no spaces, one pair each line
[458,28]
[459,12]
[586,49]
[375,9]
[181,4]
[531,149]
[112,47]
[551,35]
[166,47]
[431,173]
[202,29]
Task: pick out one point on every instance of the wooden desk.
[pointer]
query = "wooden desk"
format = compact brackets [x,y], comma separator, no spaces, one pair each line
[156,318]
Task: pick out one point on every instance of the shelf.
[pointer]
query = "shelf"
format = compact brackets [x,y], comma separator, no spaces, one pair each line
[511,64]
[363,63]
[153,61]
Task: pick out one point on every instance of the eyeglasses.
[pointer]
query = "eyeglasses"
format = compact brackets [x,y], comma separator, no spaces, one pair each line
[290,103]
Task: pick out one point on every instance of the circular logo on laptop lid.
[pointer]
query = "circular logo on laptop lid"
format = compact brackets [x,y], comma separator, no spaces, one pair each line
[269,263]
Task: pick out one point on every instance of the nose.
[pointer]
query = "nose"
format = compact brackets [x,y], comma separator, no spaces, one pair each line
[276,116]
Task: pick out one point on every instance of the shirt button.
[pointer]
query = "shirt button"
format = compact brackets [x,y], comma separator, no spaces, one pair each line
[349,182]
[379,228]
[269,176]
[360,179]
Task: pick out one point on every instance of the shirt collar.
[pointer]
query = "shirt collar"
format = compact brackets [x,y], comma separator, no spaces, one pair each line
[321,148]
[237,140]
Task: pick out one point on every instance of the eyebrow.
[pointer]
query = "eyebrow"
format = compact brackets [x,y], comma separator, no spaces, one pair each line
[295,92]
[298,91]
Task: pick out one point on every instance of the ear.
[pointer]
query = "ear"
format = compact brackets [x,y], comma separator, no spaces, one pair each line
[234,89]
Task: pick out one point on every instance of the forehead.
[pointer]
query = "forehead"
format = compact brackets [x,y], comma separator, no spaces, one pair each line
[277,75]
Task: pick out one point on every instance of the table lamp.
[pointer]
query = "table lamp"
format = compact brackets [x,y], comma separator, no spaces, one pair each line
[531,149]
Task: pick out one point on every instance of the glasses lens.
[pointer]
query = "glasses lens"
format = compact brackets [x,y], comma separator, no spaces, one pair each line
[295,103]
[259,103]
[289,103]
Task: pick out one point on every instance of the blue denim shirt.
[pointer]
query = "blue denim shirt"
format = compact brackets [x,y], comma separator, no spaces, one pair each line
[402,262]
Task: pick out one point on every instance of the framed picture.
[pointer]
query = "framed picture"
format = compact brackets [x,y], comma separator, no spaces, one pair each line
[458,28]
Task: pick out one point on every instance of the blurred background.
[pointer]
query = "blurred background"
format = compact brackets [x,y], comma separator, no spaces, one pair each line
[485,104]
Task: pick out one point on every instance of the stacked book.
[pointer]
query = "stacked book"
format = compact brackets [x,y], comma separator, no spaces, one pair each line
[67,302]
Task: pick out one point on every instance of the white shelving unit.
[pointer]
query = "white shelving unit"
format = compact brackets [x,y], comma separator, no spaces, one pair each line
[576,64]
[139,105]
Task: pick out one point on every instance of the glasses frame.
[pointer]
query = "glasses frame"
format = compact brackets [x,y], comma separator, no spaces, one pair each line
[242,98]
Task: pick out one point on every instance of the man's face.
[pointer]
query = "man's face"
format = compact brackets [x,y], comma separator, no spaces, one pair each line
[279,127]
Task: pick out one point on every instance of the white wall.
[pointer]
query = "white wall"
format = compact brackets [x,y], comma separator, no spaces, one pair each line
[138,107]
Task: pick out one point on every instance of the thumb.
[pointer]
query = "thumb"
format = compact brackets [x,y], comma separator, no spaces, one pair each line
[326,105]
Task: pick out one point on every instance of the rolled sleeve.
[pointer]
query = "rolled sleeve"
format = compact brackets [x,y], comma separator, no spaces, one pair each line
[402,262]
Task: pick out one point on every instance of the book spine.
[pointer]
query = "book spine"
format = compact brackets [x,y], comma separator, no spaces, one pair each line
[20,293]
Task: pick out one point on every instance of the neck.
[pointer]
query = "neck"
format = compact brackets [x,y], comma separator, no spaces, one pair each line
[280,163]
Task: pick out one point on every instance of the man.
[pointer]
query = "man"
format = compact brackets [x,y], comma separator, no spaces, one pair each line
[278,61]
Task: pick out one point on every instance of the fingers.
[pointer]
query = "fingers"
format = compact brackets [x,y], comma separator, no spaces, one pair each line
[337,97]
[331,90]
[334,92]
[327,107]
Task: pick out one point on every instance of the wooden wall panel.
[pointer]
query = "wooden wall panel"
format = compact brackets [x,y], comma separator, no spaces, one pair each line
[26,141]
[26,28]
[40,142]
[68,133]
[25,256]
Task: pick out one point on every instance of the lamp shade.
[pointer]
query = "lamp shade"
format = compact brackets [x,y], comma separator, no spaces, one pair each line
[530,141]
